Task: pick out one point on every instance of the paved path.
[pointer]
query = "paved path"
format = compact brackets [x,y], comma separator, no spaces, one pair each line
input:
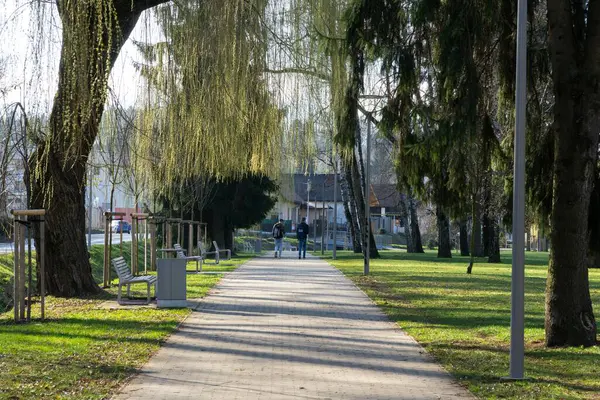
[290,329]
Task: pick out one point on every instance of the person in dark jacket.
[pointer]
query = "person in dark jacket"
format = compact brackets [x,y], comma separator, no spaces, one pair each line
[302,231]
[278,234]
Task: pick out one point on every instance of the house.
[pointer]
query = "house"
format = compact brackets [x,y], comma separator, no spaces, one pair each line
[313,196]
[310,196]
[386,209]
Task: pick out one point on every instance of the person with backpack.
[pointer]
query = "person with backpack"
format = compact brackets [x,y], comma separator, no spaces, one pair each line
[278,234]
[302,231]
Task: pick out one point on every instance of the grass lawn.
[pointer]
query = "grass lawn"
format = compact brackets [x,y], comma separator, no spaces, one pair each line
[463,321]
[83,352]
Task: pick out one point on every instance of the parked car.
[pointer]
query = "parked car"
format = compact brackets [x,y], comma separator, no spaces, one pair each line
[117,226]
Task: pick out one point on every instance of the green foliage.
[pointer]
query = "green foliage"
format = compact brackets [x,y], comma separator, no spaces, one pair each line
[464,321]
[219,119]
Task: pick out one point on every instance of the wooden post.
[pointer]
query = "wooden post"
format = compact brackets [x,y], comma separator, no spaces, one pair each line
[145,245]
[107,228]
[198,227]
[29,272]
[169,243]
[22,272]
[190,238]
[16,271]
[42,267]
[153,225]
[134,258]
[121,239]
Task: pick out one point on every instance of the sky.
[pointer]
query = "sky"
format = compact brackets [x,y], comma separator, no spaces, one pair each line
[30,53]
[30,38]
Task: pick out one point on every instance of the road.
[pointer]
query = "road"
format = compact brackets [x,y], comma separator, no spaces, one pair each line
[97,238]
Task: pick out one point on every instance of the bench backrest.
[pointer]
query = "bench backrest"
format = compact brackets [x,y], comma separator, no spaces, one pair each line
[179,253]
[123,271]
[216,246]
[201,247]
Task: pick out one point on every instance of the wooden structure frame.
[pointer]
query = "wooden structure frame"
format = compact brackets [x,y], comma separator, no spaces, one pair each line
[199,235]
[109,217]
[169,232]
[135,226]
[154,223]
[23,273]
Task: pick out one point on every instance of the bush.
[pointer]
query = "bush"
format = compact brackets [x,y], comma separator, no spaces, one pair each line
[382,231]
[432,244]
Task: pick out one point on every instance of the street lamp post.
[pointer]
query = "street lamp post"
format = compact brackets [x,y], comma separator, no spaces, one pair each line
[367,242]
[517,315]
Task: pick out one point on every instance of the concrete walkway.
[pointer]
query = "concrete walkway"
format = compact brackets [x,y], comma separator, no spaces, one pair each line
[290,329]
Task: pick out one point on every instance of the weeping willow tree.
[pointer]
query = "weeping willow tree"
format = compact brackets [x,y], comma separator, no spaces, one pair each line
[209,111]
[212,112]
[93,33]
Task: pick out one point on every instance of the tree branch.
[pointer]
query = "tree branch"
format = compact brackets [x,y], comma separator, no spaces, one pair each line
[300,71]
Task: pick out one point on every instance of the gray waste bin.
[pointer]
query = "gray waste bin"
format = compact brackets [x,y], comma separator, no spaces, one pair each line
[171,283]
[258,246]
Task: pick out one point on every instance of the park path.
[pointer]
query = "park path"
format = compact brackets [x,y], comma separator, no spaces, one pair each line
[290,329]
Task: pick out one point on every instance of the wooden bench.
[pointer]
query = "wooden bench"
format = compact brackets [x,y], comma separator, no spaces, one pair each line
[218,251]
[126,278]
[180,253]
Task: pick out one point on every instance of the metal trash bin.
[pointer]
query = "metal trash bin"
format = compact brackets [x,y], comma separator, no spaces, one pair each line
[171,283]
[258,246]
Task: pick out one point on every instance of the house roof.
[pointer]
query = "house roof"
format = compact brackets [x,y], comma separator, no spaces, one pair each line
[293,188]
[386,195]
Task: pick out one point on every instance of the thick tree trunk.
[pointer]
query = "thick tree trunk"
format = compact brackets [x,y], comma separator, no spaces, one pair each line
[476,230]
[443,223]
[350,208]
[360,201]
[464,238]
[414,226]
[488,232]
[57,177]
[576,77]
[405,218]
[494,242]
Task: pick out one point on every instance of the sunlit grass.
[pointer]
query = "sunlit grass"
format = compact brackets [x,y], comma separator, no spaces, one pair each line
[463,320]
[84,351]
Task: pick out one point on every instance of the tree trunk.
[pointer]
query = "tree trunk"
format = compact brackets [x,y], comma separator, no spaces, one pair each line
[360,208]
[464,238]
[494,242]
[576,79]
[350,208]
[405,219]
[414,226]
[487,234]
[57,177]
[476,229]
[443,223]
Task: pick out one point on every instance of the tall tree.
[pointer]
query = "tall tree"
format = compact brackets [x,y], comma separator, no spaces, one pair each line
[574,38]
[93,34]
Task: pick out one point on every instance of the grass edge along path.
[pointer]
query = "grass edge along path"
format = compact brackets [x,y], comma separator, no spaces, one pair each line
[85,352]
[463,321]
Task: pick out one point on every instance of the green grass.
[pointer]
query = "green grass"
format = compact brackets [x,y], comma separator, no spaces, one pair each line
[463,321]
[85,352]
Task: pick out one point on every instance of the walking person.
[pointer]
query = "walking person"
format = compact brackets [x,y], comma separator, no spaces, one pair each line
[278,234]
[302,235]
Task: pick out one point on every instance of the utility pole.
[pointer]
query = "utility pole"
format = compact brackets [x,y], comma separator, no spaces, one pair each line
[367,243]
[308,211]
[323,218]
[335,184]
